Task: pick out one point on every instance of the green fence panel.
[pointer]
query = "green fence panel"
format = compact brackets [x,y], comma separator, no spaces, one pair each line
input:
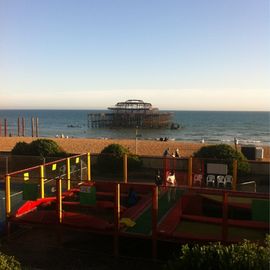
[87,195]
[260,210]
[30,191]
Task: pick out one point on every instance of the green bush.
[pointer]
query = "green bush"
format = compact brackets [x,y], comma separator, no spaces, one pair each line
[111,159]
[224,152]
[40,147]
[134,162]
[8,262]
[21,148]
[245,255]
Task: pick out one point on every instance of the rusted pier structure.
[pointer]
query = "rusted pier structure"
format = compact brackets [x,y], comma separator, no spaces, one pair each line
[131,114]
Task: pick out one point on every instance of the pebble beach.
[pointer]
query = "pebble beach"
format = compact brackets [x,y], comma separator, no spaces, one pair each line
[141,147]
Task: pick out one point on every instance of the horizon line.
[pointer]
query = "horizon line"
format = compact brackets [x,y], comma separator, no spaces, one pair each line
[102,109]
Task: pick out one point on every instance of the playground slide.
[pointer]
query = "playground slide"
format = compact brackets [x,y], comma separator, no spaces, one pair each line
[144,219]
[170,221]
[134,212]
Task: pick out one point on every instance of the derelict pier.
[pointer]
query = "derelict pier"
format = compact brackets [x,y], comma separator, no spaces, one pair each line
[131,114]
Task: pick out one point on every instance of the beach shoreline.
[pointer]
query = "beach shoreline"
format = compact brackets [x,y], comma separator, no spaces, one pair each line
[140,147]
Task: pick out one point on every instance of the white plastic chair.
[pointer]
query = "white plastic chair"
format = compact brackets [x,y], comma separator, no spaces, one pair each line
[197,180]
[221,180]
[228,179]
[210,180]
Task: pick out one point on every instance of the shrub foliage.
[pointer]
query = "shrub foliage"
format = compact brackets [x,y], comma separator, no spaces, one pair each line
[9,262]
[40,147]
[110,159]
[245,255]
[224,152]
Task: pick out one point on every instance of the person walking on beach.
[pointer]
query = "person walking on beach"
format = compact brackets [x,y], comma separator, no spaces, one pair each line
[177,153]
[171,184]
[167,153]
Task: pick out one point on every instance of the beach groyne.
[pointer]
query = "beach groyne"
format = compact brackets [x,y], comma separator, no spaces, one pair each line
[9,131]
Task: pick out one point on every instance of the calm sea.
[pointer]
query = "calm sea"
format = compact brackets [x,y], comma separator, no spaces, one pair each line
[248,127]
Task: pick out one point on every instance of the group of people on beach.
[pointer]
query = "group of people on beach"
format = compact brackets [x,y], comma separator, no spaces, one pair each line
[175,153]
[61,136]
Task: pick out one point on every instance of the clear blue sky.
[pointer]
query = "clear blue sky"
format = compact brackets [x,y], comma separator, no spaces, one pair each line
[182,54]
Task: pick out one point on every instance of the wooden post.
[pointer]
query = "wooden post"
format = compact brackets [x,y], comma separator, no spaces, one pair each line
[23,127]
[0,128]
[32,126]
[59,200]
[88,167]
[68,173]
[41,181]
[234,183]
[8,201]
[36,126]
[19,127]
[125,174]
[5,127]
[116,219]
[190,172]
[225,217]
[154,221]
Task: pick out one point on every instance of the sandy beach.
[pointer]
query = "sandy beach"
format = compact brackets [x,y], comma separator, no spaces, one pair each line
[144,147]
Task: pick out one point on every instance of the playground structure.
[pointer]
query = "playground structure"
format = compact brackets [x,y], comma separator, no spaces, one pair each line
[65,193]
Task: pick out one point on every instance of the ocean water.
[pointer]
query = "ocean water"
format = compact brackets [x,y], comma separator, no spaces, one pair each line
[210,126]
